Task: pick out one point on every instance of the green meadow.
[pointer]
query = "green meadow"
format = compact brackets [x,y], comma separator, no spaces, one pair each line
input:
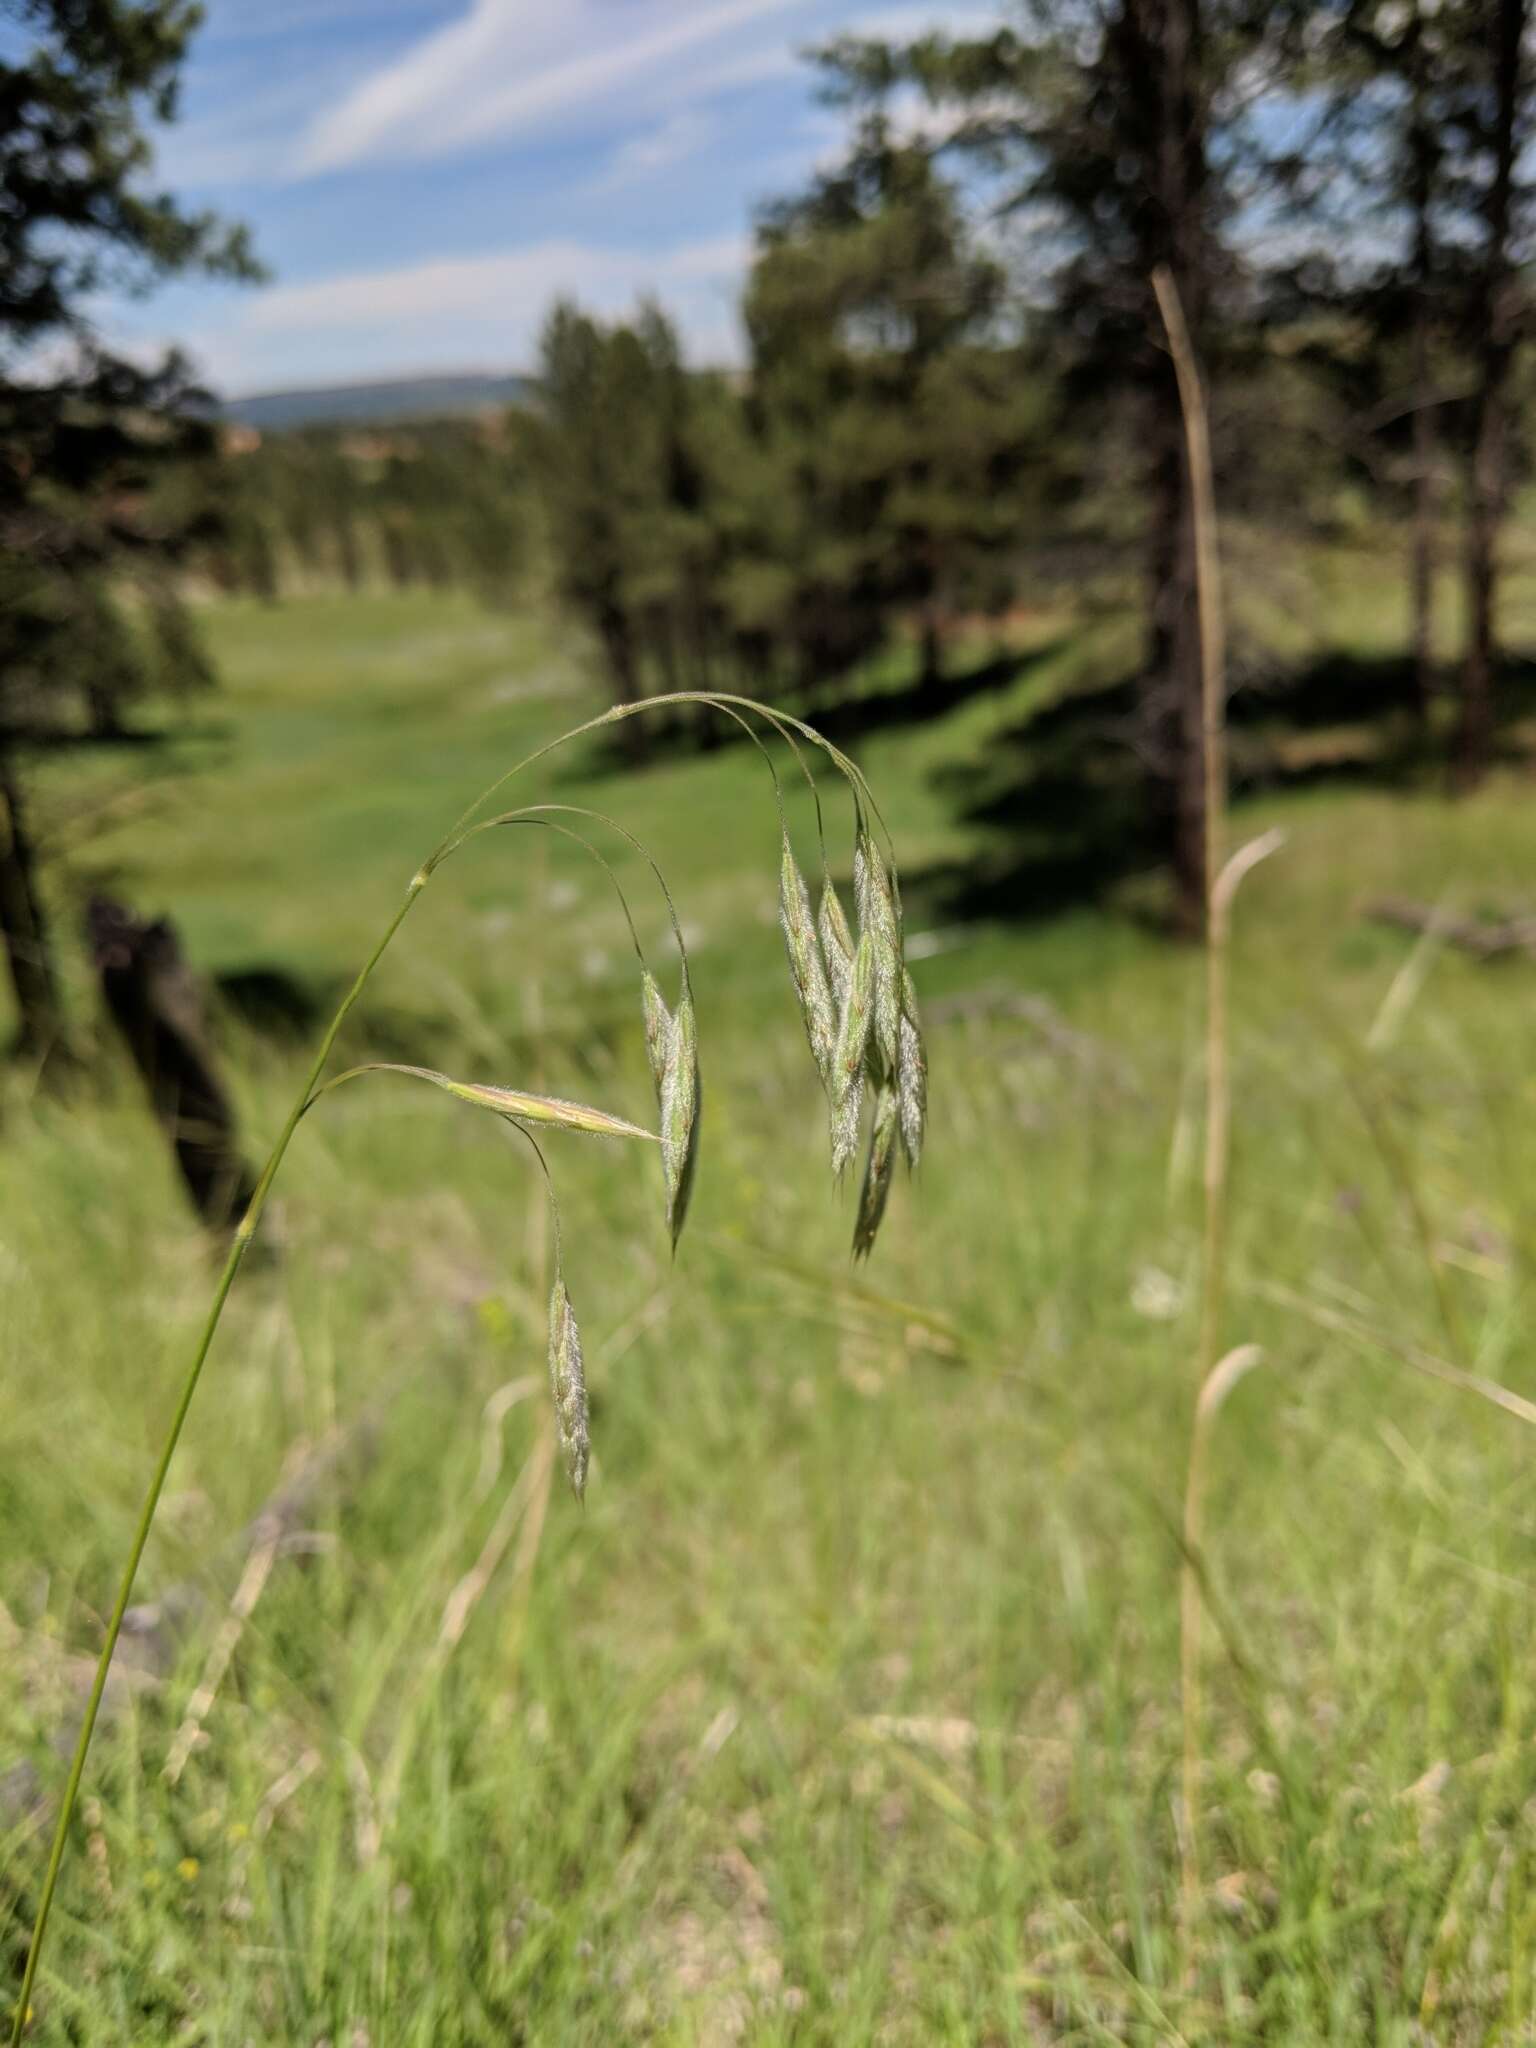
[847,1709]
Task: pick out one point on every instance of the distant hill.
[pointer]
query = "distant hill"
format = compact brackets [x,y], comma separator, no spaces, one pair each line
[403,398]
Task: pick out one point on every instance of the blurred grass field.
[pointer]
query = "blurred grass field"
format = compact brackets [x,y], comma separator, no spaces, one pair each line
[847,1710]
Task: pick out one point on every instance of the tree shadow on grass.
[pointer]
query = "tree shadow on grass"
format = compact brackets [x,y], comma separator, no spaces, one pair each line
[1066,811]
[845,719]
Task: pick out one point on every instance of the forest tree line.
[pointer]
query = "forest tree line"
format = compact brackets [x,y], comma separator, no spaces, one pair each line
[958,391]
[956,395]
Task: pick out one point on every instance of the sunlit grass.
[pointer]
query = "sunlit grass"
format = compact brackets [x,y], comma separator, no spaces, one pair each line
[847,1709]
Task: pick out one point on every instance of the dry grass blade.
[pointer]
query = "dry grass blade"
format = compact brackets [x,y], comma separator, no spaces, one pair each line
[848,1060]
[879,1170]
[1369,1338]
[806,964]
[511,1103]
[568,1384]
[258,1568]
[680,1113]
[1223,1377]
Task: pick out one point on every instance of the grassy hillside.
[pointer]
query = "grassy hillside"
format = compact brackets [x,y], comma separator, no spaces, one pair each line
[847,1710]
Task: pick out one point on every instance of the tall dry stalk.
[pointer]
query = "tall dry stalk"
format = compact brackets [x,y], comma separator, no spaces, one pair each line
[1213,1376]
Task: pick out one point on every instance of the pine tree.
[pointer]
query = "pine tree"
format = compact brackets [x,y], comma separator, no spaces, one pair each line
[88,612]
[1119,127]
[881,372]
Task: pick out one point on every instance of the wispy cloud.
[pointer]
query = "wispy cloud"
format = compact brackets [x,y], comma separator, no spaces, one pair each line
[510,66]
[484,309]
[673,141]
[366,140]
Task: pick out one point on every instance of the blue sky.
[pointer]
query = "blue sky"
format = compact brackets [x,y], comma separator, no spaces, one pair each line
[424,176]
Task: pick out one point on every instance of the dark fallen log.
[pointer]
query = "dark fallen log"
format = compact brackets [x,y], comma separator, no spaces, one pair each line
[154,1001]
[1484,938]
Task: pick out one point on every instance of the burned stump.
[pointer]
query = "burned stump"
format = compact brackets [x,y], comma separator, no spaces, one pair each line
[156,1005]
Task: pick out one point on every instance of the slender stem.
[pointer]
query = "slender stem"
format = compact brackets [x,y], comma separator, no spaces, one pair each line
[237,1251]
[1197,435]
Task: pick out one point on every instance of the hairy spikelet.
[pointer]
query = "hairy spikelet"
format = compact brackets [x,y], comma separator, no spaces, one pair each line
[836,942]
[861,904]
[879,1167]
[680,1113]
[806,964]
[846,1117]
[848,1059]
[658,1027]
[513,1103]
[568,1385]
[911,1074]
[877,916]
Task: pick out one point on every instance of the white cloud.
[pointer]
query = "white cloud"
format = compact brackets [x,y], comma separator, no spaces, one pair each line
[907,23]
[671,142]
[513,66]
[451,312]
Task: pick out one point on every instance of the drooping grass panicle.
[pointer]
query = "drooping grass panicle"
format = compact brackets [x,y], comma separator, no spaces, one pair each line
[680,1102]
[805,963]
[879,1170]
[679,1142]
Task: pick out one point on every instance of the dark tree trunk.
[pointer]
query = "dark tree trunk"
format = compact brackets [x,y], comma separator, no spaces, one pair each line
[1423,557]
[616,632]
[154,1001]
[1158,47]
[24,928]
[1173,729]
[1496,355]
[1423,553]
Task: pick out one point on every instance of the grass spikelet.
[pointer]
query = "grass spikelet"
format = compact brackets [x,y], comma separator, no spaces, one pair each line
[911,1074]
[879,1168]
[806,964]
[658,1027]
[846,1118]
[877,916]
[852,1044]
[836,942]
[680,1113]
[568,1385]
[512,1103]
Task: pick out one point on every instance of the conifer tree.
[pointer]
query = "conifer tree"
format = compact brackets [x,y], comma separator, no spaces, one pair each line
[88,611]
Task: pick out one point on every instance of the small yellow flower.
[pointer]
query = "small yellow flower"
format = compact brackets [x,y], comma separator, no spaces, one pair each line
[188,1868]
